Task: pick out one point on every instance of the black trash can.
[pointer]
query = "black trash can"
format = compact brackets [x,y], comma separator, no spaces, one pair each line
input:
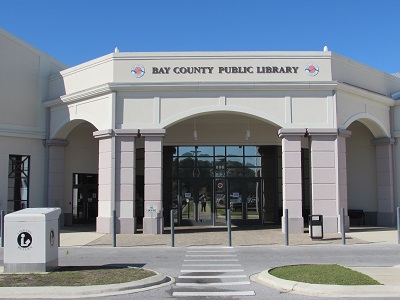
[316,226]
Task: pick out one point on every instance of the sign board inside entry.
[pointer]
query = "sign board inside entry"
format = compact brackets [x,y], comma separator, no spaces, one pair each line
[152,208]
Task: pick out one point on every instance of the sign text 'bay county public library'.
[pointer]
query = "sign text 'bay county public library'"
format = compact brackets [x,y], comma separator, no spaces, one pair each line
[311,69]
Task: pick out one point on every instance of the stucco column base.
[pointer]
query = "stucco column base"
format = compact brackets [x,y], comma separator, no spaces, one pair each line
[331,224]
[296,225]
[386,219]
[103,225]
[126,225]
[153,225]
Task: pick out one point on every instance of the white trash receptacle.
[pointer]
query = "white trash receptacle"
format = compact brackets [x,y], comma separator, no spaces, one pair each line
[31,240]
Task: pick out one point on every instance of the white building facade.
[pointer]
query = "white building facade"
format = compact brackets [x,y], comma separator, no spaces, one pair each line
[143,133]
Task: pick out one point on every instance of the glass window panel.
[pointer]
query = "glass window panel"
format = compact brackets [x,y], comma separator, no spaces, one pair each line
[205,162]
[252,172]
[219,167]
[186,150]
[206,172]
[234,151]
[252,161]
[219,150]
[186,162]
[185,172]
[234,161]
[234,172]
[205,151]
[251,151]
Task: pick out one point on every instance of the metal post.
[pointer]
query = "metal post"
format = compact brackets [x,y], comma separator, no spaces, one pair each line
[398,225]
[343,223]
[172,229]
[59,232]
[114,229]
[2,228]
[286,227]
[229,228]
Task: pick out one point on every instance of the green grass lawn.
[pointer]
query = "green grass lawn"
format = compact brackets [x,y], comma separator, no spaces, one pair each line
[323,274]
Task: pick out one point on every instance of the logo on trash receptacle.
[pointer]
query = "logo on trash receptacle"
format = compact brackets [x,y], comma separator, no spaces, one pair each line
[24,240]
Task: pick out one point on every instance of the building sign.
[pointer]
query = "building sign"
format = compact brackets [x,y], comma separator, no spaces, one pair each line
[152,208]
[226,70]
[310,68]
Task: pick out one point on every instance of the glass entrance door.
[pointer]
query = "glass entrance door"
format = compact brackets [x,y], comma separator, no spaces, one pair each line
[195,205]
[84,198]
[254,201]
[208,180]
[235,197]
[220,201]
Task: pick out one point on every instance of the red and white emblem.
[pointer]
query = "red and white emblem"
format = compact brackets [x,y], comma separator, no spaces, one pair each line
[312,69]
[138,71]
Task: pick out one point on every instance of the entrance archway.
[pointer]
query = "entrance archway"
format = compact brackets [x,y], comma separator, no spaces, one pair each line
[362,189]
[75,167]
[219,162]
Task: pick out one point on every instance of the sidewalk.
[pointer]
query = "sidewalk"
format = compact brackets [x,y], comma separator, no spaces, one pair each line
[218,236]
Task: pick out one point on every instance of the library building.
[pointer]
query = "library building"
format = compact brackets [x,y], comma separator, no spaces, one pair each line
[137,135]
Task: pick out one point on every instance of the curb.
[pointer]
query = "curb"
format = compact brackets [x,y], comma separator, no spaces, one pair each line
[321,290]
[153,282]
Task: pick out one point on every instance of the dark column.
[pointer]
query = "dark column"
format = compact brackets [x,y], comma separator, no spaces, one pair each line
[270,175]
[168,156]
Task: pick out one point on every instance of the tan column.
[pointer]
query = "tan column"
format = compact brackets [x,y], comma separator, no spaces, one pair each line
[385,183]
[153,221]
[105,193]
[55,187]
[341,176]
[329,176]
[291,178]
[125,179]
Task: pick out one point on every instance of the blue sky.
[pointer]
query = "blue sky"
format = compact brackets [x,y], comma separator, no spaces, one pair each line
[75,31]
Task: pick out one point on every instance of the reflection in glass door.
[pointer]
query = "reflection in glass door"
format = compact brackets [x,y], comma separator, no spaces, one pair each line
[220,201]
[208,180]
[195,202]
[253,201]
[84,198]
[235,196]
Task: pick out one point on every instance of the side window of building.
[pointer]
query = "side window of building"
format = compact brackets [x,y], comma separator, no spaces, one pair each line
[18,182]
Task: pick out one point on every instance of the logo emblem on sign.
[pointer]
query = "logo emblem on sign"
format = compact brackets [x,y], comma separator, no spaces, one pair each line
[312,69]
[24,239]
[138,71]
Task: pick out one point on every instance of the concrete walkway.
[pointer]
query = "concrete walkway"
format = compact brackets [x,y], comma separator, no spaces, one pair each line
[218,236]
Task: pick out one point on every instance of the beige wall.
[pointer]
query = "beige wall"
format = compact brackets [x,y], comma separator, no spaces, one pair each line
[24,72]
[375,112]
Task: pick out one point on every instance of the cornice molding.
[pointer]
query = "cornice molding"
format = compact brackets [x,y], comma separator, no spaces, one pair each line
[216,86]
[22,134]
[365,93]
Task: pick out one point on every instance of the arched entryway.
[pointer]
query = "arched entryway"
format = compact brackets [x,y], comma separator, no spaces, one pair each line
[73,169]
[225,161]
[369,175]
